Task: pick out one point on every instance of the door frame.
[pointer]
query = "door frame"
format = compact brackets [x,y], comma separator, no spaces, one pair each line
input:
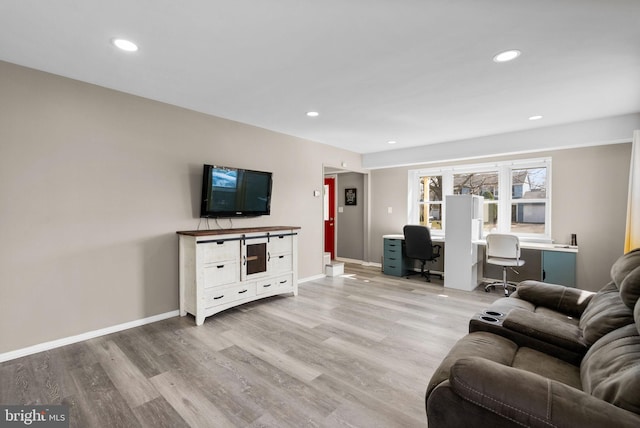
[335,171]
[335,214]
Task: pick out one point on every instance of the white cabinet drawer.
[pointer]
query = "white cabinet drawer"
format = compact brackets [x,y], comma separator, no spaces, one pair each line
[221,273]
[220,296]
[266,286]
[273,284]
[285,281]
[280,263]
[280,244]
[217,251]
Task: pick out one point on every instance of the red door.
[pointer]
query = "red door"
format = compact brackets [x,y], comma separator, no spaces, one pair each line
[329,215]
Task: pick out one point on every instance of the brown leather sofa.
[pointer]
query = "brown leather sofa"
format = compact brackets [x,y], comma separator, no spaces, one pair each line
[554,356]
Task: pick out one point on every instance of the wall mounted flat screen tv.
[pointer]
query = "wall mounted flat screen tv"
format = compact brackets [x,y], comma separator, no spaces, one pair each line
[235,192]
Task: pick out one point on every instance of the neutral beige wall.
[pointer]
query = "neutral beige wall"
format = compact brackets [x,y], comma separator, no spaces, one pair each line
[350,224]
[589,198]
[93,186]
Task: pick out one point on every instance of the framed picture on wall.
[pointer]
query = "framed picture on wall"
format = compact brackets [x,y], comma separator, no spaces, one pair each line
[350,197]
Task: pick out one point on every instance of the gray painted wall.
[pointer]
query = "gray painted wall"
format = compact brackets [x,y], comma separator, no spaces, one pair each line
[350,223]
[94,184]
[589,198]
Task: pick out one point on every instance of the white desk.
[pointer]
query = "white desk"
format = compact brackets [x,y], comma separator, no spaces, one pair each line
[542,246]
[554,262]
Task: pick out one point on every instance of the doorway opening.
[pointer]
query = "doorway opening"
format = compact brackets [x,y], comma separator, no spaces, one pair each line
[345,215]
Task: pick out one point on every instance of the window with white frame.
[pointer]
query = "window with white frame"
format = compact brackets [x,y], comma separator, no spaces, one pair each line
[517,195]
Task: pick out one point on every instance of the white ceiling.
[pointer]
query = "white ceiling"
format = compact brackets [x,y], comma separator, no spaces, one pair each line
[418,72]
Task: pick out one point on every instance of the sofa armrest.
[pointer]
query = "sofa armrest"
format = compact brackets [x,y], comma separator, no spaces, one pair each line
[567,300]
[532,400]
[550,330]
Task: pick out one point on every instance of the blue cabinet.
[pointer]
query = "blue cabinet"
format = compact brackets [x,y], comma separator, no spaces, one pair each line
[393,261]
[559,268]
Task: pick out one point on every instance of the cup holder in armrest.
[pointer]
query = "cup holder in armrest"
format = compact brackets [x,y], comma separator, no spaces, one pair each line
[487,320]
[493,314]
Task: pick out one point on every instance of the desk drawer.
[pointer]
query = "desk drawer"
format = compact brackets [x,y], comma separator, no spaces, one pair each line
[394,267]
[393,260]
[392,244]
[393,250]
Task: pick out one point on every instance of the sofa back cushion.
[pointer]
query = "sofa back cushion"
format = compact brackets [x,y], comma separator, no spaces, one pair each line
[610,370]
[604,313]
[625,272]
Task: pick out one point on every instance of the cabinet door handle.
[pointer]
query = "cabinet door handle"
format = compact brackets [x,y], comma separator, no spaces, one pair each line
[268,256]
[243,291]
[283,282]
[220,266]
[266,285]
[281,257]
[219,297]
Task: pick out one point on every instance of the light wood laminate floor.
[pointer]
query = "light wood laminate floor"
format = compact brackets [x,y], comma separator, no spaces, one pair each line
[350,351]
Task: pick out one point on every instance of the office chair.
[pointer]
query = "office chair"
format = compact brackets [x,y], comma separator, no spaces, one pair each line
[418,246]
[503,250]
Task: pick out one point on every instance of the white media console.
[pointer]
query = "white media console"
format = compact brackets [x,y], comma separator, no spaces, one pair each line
[220,269]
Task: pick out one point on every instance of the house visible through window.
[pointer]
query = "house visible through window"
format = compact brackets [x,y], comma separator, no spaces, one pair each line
[516,195]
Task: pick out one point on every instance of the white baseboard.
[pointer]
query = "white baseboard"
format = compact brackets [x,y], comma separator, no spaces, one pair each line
[311,278]
[346,260]
[358,262]
[84,336]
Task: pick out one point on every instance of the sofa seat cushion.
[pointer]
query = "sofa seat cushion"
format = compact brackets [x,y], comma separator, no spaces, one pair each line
[565,335]
[611,368]
[605,313]
[547,366]
[507,353]
[558,316]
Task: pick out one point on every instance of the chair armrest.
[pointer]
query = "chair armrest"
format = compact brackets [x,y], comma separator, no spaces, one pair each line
[529,399]
[436,250]
[567,300]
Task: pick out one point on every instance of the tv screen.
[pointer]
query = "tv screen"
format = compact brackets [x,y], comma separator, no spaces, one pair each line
[235,192]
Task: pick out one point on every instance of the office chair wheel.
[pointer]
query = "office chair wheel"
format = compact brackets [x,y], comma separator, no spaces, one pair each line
[489,287]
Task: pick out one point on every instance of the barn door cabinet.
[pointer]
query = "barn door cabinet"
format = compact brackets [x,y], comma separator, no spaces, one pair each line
[221,269]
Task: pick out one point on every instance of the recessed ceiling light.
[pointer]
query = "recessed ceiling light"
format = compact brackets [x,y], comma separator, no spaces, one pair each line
[391,142]
[507,56]
[313,114]
[537,117]
[125,45]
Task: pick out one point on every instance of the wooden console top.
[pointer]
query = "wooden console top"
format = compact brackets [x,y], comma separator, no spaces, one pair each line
[235,231]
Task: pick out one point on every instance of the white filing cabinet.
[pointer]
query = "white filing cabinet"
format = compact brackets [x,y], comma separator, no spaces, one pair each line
[463,223]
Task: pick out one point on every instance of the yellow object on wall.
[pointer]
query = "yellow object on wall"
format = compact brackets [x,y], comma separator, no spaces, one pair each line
[632,236]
